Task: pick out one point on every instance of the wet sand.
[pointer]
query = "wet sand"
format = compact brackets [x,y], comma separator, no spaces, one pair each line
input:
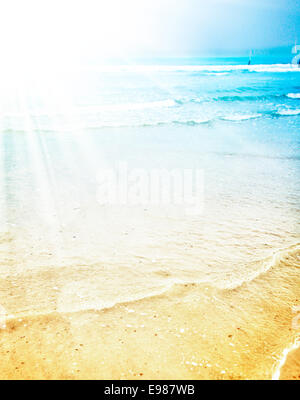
[192,331]
[291,368]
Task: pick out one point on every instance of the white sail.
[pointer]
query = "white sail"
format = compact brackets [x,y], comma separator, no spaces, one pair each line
[295,50]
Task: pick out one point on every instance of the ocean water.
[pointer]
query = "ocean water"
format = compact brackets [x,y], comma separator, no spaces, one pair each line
[63,251]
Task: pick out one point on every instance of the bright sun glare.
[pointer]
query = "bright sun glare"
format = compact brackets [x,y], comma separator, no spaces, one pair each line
[61,31]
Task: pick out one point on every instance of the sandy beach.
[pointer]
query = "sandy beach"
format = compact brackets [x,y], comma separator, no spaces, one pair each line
[107,270]
[191,331]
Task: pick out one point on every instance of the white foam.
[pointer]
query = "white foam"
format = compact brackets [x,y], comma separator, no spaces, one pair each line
[288,112]
[294,95]
[282,361]
[240,117]
[217,73]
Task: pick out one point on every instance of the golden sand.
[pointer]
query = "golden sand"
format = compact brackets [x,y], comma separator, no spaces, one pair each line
[192,331]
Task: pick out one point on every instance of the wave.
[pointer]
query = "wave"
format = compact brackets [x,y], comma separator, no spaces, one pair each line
[288,112]
[188,122]
[240,117]
[294,346]
[248,97]
[236,118]
[216,73]
[196,68]
[231,98]
[293,95]
[197,121]
[88,110]
[139,121]
[281,258]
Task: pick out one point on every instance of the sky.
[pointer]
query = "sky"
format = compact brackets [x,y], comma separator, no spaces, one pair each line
[66,29]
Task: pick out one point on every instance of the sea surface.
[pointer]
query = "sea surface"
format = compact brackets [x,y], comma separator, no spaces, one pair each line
[63,251]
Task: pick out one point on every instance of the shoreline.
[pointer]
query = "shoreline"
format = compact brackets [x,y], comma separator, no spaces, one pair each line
[289,366]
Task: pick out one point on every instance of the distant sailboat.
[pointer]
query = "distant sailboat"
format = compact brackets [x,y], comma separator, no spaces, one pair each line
[296,50]
[250,55]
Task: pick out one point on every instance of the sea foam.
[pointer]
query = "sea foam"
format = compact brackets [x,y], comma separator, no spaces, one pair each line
[294,95]
[240,117]
[288,112]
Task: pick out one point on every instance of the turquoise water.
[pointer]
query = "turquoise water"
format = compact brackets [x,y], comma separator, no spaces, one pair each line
[208,113]
[173,92]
